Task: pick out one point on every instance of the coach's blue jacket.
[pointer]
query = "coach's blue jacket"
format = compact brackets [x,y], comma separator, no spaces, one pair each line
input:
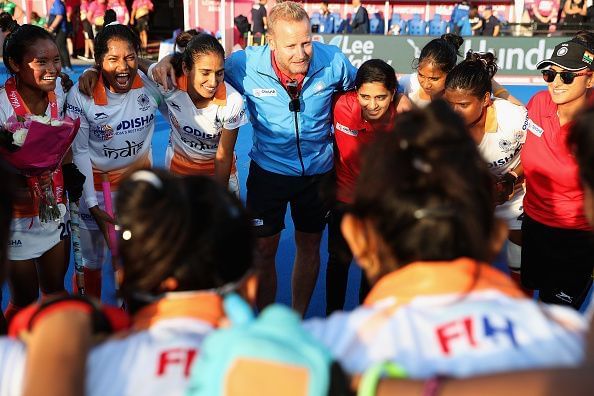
[287,142]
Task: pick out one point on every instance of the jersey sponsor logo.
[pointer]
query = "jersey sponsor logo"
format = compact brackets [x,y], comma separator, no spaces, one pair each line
[475,332]
[103,132]
[175,106]
[535,129]
[175,359]
[198,133]
[257,222]
[506,159]
[132,148]
[135,124]
[262,92]
[346,130]
[15,243]
[100,116]
[143,102]
[199,144]
[74,109]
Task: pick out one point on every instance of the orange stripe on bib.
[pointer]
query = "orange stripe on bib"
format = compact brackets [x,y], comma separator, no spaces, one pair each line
[181,165]
[116,176]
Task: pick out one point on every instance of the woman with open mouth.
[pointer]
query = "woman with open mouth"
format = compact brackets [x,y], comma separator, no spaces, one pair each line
[117,125]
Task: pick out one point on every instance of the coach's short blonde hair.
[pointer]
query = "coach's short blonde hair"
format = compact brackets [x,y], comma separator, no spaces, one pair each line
[286,11]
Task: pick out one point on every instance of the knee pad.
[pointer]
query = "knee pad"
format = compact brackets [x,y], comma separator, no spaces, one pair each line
[93,248]
[514,256]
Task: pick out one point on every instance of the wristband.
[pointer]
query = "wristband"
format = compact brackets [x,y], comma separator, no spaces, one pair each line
[371,377]
[514,174]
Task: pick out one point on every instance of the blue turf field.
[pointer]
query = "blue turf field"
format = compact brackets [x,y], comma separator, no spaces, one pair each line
[286,251]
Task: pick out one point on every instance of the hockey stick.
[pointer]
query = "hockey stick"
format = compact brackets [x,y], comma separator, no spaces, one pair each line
[111,229]
[78,264]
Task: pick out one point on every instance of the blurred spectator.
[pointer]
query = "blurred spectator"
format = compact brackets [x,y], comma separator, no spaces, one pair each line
[491,25]
[140,18]
[545,14]
[460,11]
[360,21]
[87,30]
[259,17]
[37,20]
[56,24]
[14,10]
[95,14]
[476,21]
[121,10]
[72,23]
[464,26]
[109,17]
[7,24]
[327,25]
[574,11]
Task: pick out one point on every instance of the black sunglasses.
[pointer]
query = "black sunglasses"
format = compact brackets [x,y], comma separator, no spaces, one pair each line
[566,76]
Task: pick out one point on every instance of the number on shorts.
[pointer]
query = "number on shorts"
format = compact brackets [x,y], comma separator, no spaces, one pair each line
[65,230]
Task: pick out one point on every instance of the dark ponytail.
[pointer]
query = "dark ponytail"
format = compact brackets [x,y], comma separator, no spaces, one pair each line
[443,52]
[426,190]
[474,74]
[196,46]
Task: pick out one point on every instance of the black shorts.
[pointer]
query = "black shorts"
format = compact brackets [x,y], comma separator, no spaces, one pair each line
[558,262]
[88,30]
[142,23]
[268,194]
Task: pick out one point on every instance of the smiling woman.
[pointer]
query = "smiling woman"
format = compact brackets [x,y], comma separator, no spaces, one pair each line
[38,252]
[117,125]
[558,249]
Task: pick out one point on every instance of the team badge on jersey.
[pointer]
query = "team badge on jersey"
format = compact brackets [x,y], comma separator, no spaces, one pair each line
[262,92]
[506,145]
[143,102]
[103,132]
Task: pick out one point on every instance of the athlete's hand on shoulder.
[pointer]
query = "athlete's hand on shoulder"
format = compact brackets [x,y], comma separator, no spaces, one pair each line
[102,218]
[67,82]
[164,74]
[87,81]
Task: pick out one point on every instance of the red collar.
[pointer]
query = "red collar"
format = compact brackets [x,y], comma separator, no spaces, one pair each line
[284,79]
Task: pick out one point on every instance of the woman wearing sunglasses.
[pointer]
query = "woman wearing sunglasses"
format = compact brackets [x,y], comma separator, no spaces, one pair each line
[557,252]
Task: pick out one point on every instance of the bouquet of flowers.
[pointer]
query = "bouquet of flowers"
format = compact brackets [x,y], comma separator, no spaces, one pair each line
[36,145]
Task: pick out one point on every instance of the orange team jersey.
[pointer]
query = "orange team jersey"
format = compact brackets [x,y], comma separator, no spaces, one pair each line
[458,318]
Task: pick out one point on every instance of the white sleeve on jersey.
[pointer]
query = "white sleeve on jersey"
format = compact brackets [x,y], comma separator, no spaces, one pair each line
[234,112]
[75,108]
